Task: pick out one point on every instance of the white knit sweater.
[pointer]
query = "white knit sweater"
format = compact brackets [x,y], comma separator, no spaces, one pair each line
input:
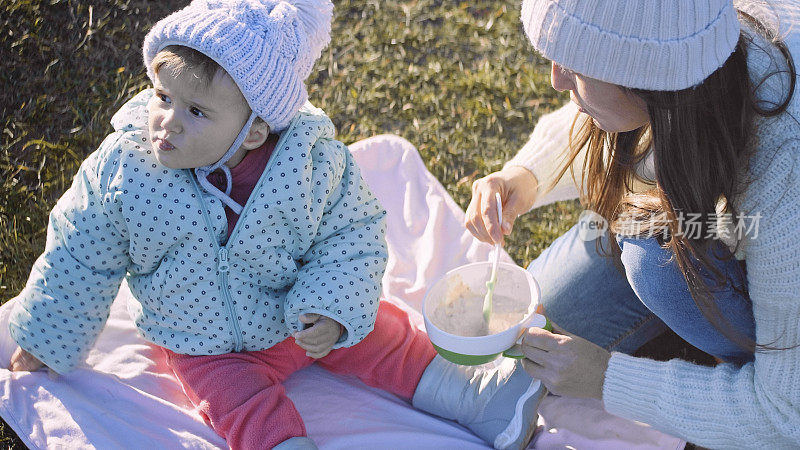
[753,406]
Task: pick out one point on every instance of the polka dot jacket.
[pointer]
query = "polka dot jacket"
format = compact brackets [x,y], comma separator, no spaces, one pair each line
[310,240]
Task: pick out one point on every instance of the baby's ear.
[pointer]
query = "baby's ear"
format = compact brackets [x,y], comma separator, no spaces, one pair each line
[258,134]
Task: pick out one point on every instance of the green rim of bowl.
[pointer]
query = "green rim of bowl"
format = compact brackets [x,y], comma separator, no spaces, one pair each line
[465,360]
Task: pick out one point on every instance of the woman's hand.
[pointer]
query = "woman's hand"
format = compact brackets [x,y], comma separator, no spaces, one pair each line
[517,187]
[318,339]
[566,364]
[22,361]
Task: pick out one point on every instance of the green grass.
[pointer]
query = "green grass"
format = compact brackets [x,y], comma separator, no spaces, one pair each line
[458,80]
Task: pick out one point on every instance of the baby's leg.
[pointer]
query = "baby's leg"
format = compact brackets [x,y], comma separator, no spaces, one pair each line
[241,395]
[497,404]
[392,357]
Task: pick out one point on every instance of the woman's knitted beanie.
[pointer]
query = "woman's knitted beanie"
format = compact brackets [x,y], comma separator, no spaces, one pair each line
[661,45]
[267,46]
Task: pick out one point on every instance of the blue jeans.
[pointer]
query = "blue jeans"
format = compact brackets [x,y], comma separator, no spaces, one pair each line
[621,303]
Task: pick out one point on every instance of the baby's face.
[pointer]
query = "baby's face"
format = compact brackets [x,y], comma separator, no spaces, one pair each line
[193,126]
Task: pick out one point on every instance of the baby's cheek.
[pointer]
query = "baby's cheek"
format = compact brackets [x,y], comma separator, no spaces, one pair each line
[151,121]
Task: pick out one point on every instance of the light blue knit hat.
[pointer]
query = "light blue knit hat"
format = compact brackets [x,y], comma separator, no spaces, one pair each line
[662,45]
[268,47]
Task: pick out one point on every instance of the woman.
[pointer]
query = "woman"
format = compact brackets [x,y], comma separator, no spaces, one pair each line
[685,145]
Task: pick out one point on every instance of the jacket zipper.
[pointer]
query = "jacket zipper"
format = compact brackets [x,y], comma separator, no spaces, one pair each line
[223,267]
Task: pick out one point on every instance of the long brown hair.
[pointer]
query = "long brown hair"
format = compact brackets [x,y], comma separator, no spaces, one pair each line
[701,139]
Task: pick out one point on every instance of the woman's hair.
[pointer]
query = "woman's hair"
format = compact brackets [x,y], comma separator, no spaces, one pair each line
[701,139]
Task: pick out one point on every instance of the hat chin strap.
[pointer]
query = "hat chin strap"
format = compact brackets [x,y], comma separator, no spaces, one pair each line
[203,172]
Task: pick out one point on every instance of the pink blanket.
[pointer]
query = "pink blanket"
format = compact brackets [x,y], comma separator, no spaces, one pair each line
[126,398]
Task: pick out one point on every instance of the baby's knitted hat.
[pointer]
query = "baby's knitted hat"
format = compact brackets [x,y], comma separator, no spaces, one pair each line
[662,45]
[267,46]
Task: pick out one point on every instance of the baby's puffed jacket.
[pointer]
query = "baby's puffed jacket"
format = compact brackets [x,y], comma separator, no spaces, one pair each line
[310,240]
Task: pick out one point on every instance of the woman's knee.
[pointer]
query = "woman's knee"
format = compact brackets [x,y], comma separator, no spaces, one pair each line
[586,292]
[647,265]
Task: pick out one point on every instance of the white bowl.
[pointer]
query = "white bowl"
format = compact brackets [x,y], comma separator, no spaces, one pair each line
[513,281]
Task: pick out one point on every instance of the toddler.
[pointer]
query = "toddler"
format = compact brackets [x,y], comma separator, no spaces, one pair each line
[250,242]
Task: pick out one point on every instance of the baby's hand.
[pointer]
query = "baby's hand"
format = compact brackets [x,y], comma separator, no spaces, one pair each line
[318,339]
[22,361]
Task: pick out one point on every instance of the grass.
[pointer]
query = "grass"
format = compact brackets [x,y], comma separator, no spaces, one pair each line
[458,80]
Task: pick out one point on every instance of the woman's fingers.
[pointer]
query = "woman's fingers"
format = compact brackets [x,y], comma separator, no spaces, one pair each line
[491,220]
[566,364]
[521,188]
[535,354]
[535,369]
[513,207]
[474,220]
[482,220]
[558,330]
[517,188]
[540,339]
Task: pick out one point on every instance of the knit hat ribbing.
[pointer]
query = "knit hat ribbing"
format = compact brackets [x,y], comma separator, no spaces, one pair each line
[663,45]
[267,46]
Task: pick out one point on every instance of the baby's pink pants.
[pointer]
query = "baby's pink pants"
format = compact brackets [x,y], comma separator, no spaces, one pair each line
[241,395]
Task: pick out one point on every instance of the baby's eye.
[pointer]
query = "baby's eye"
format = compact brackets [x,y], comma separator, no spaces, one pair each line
[164,98]
[197,112]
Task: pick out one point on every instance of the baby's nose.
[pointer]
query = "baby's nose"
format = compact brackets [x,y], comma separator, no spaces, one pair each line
[171,122]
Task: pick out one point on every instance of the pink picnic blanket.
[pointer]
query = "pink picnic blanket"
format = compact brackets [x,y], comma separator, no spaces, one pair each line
[125,396]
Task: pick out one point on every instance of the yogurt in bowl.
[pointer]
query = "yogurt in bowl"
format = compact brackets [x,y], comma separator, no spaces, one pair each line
[453,313]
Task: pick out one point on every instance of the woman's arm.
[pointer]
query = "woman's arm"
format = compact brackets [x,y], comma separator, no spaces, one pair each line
[523,181]
[543,155]
[758,404]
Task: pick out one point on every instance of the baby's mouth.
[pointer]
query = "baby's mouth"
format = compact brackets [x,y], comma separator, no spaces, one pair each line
[164,145]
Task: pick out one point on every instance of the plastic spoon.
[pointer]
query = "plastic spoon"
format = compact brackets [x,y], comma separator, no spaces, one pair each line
[487,301]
